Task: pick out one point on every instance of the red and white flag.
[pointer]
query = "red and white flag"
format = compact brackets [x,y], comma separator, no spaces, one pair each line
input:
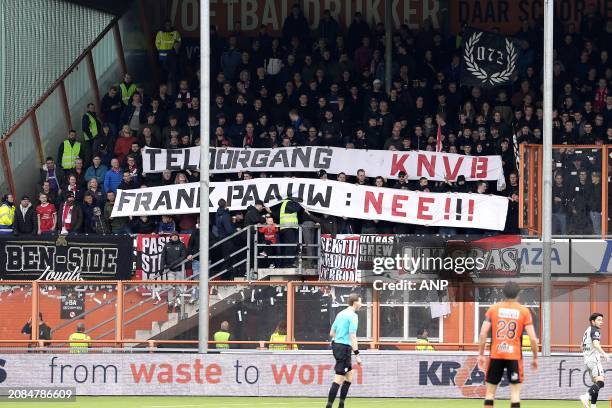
[439,139]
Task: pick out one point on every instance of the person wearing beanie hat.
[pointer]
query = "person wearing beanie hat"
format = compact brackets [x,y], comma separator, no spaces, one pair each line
[25,218]
[70,217]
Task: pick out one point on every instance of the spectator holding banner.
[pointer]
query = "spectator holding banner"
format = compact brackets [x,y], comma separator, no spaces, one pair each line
[289,225]
[118,225]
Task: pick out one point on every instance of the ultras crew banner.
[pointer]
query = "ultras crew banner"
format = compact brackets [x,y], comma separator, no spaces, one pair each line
[324,196]
[436,166]
[290,374]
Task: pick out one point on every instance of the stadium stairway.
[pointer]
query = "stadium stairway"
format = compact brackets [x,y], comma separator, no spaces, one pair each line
[186,318]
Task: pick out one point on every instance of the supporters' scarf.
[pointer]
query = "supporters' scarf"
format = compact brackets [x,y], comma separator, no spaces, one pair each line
[67,217]
[439,139]
[248,139]
[133,170]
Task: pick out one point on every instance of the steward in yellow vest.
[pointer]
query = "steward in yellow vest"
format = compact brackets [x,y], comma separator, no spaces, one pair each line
[77,345]
[91,124]
[422,341]
[7,214]
[280,335]
[222,335]
[526,342]
[126,89]
[69,151]
[165,39]
[287,217]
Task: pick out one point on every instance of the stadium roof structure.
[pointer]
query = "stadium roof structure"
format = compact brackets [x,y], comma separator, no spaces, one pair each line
[115,7]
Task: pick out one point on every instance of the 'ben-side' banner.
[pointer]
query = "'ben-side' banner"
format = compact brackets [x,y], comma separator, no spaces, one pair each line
[72,257]
[324,196]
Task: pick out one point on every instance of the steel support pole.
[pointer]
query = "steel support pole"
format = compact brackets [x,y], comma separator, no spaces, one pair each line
[203,319]
[549,10]
[388,44]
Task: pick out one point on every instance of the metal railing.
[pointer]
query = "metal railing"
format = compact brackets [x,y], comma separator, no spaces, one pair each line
[305,250]
[262,345]
[530,182]
[299,299]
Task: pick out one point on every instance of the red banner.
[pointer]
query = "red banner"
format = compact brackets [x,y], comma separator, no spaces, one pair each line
[149,248]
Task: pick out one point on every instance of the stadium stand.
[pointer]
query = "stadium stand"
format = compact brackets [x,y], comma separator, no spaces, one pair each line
[325,87]
[329,92]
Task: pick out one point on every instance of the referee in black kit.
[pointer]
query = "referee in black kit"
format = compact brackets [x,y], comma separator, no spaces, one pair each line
[344,342]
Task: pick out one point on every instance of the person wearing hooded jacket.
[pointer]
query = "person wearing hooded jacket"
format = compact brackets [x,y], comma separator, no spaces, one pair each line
[173,254]
[254,214]
[25,218]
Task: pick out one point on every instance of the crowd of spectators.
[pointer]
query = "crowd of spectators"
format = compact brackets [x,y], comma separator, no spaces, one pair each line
[327,88]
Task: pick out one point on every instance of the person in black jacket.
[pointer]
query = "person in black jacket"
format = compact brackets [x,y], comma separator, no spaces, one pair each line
[193,250]
[44,331]
[579,220]
[25,218]
[561,200]
[255,215]
[143,225]
[173,254]
[328,223]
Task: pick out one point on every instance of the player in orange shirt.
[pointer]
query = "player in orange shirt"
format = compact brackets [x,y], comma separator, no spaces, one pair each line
[508,319]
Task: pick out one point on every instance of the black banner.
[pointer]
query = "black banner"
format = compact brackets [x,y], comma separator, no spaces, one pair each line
[72,257]
[457,258]
[489,60]
[149,248]
[72,302]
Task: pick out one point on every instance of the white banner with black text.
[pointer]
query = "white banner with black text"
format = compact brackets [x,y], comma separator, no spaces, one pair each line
[435,166]
[324,196]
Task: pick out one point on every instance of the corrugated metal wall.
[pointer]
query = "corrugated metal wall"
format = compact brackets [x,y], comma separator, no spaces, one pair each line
[40,39]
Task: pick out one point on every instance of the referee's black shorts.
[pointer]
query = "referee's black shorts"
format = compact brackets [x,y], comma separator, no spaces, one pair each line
[513,368]
[342,354]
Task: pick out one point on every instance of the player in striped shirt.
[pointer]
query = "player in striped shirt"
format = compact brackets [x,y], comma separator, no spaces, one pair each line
[592,353]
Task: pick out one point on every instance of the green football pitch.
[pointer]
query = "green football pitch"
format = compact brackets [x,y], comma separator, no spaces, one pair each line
[194,402]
